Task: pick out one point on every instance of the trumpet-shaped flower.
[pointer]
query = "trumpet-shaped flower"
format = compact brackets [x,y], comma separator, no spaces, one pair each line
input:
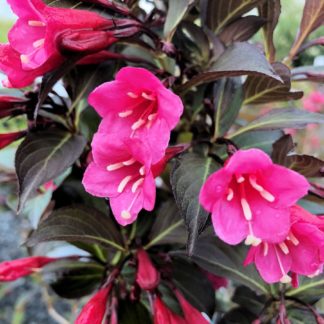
[138,105]
[300,253]
[163,315]
[249,198]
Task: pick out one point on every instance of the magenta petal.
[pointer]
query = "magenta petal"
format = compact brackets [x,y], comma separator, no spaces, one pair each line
[248,161]
[149,192]
[214,188]
[101,183]
[139,78]
[27,8]
[112,125]
[269,265]
[229,222]
[170,107]
[110,97]
[126,206]
[285,185]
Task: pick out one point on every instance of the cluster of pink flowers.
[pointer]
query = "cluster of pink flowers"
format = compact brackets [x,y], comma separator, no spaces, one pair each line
[130,148]
[43,37]
[253,199]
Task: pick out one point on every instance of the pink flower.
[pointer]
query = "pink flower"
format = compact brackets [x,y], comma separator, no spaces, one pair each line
[163,315]
[301,252]
[191,314]
[41,32]
[8,138]
[137,105]
[12,270]
[121,170]
[147,276]
[94,311]
[216,281]
[314,102]
[250,198]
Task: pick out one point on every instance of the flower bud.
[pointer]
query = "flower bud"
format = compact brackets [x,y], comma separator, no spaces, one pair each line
[191,314]
[147,276]
[12,270]
[163,315]
[94,311]
[11,106]
[8,138]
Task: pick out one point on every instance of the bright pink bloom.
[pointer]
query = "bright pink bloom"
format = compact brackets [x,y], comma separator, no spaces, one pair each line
[122,172]
[314,102]
[147,276]
[7,139]
[163,315]
[33,49]
[138,105]
[301,252]
[191,314]
[94,311]
[12,270]
[250,198]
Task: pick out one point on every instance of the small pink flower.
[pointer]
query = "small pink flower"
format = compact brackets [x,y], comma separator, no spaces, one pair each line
[94,311]
[138,105]
[216,281]
[250,198]
[301,252]
[121,170]
[13,270]
[147,276]
[33,50]
[314,102]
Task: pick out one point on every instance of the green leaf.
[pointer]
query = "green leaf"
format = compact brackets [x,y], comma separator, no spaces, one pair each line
[176,11]
[313,207]
[262,89]
[188,174]
[217,14]
[78,224]
[221,259]
[227,102]
[238,315]
[194,284]
[283,153]
[43,156]
[73,279]
[133,312]
[282,118]
[238,59]
[168,227]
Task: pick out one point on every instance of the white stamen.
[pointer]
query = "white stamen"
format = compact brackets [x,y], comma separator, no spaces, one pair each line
[291,237]
[129,162]
[147,96]
[142,170]
[126,214]
[39,43]
[24,58]
[267,196]
[138,124]
[124,183]
[230,194]
[124,114]
[132,95]
[36,23]
[137,184]
[285,279]
[252,240]
[265,248]
[116,166]
[240,179]
[284,248]
[254,184]
[151,117]
[246,209]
